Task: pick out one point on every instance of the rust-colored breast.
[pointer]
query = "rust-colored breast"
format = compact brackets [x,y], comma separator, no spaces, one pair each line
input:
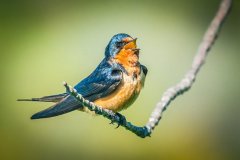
[124,95]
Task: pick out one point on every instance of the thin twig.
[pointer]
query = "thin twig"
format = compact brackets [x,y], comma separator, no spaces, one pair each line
[188,80]
[168,96]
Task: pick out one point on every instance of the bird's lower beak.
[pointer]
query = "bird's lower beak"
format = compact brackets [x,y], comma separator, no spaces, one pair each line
[136,51]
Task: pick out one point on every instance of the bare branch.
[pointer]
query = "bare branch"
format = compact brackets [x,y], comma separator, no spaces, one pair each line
[188,80]
[114,117]
[168,96]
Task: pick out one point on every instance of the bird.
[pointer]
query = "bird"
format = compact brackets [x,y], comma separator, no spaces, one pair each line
[114,85]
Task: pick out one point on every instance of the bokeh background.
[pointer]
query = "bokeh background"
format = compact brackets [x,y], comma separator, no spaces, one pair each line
[46,42]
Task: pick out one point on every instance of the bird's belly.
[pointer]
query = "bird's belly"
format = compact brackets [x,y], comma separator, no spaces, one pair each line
[124,96]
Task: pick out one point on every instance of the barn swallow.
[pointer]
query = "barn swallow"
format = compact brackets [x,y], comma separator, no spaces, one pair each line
[114,84]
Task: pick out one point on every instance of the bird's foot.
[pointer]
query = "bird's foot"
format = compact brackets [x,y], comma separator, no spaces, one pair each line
[112,122]
[119,119]
[122,119]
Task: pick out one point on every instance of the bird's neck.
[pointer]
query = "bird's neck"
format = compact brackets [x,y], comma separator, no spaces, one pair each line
[129,61]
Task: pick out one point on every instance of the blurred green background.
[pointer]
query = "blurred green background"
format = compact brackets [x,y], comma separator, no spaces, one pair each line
[46,42]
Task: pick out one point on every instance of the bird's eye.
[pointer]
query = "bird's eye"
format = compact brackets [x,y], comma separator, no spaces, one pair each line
[119,44]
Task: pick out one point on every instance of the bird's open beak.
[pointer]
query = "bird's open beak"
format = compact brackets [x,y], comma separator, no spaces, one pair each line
[135,49]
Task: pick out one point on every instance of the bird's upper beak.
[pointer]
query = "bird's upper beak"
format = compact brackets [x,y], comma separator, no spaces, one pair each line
[131,44]
[133,40]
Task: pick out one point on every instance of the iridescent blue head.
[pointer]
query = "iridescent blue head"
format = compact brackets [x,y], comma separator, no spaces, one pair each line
[117,42]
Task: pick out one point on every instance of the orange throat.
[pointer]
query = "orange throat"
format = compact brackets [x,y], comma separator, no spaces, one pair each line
[127,58]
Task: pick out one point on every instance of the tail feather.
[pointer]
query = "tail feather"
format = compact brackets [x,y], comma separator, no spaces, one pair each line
[52,98]
[66,105]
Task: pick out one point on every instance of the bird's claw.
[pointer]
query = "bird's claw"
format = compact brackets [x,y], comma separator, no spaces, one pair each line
[119,119]
[122,120]
[112,122]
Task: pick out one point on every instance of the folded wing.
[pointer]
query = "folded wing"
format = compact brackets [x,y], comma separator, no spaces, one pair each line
[100,83]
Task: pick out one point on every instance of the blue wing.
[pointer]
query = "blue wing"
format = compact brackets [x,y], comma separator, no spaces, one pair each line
[104,80]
